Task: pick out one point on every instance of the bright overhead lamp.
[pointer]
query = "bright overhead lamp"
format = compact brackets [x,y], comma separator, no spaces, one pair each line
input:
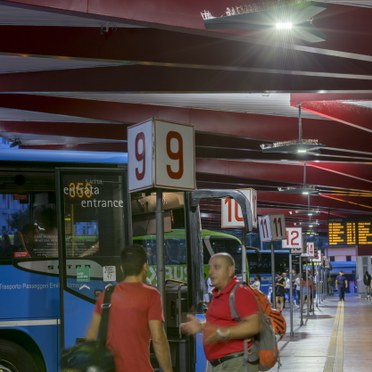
[305,212]
[303,190]
[297,15]
[284,25]
[293,147]
[300,146]
[309,224]
[311,233]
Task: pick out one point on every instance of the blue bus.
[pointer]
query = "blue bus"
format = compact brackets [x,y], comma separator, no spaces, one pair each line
[64,219]
[260,263]
[59,247]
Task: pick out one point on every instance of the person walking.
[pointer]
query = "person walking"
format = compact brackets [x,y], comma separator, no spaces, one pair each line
[341,285]
[307,289]
[294,293]
[287,287]
[298,290]
[223,337]
[279,291]
[367,280]
[136,317]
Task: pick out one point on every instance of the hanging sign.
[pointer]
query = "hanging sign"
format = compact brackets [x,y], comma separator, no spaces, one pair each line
[310,249]
[231,213]
[161,155]
[272,227]
[293,238]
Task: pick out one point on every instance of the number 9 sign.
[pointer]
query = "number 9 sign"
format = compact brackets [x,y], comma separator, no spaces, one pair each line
[161,154]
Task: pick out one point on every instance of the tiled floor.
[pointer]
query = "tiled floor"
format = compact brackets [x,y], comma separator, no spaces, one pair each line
[336,338]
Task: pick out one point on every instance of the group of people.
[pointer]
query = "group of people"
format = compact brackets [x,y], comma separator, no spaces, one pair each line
[136,315]
[283,285]
[136,318]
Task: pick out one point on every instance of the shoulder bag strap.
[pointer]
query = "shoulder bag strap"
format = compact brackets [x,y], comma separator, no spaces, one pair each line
[102,330]
[250,352]
[233,311]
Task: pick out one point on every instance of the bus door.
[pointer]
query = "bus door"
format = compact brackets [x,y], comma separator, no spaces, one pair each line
[93,221]
[195,259]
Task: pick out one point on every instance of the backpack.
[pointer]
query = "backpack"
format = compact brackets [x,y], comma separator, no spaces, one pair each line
[265,345]
[92,355]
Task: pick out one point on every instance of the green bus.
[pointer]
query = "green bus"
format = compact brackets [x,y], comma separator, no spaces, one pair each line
[175,252]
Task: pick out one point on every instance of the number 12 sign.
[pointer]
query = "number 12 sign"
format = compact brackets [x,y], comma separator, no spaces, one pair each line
[293,238]
[161,154]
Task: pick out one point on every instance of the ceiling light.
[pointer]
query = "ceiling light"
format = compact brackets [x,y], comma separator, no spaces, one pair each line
[293,146]
[311,233]
[284,25]
[300,146]
[307,223]
[304,190]
[305,212]
[266,16]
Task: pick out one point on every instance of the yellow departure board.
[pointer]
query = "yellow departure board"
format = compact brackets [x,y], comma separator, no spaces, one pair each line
[347,232]
[365,232]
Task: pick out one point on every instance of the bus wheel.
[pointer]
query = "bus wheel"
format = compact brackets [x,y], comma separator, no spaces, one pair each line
[14,358]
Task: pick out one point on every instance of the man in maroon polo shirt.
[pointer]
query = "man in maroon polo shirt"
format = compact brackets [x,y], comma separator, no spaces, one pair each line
[223,336]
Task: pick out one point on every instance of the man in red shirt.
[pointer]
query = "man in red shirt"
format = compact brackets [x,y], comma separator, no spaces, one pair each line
[223,336]
[136,316]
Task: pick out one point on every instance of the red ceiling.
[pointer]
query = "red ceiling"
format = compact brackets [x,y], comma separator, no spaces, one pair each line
[100,78]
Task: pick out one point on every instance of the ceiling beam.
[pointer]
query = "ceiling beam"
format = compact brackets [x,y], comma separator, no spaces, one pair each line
[183,78]
[245,126]
[346,28]
[194,51]
[284,174]
[67,129]
[347,113]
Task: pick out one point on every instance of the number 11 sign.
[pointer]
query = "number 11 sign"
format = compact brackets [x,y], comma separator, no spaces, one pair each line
[161,154]
[272,227]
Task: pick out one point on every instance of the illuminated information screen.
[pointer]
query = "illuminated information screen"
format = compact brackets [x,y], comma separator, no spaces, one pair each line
[341,232]
[365,232]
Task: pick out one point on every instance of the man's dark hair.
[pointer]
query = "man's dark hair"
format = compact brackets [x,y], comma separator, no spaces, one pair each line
[133,257]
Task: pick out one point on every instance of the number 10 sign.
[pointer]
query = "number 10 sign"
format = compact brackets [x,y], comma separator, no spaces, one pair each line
[161,154]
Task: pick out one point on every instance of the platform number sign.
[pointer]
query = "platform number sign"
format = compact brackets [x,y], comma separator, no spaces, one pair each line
[264,228]
[162,155]
[140,149]
[310,249]
[272,227]
[277,226]
[231,212]
[293,239]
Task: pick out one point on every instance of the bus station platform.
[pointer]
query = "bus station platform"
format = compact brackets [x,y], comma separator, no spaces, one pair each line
[336,337]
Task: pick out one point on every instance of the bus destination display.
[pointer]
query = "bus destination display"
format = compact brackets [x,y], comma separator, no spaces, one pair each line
[341,232]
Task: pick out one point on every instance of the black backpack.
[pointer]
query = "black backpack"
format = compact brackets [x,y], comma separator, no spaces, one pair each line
[92,355]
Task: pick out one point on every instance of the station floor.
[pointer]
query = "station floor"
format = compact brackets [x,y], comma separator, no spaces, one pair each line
[336,337]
